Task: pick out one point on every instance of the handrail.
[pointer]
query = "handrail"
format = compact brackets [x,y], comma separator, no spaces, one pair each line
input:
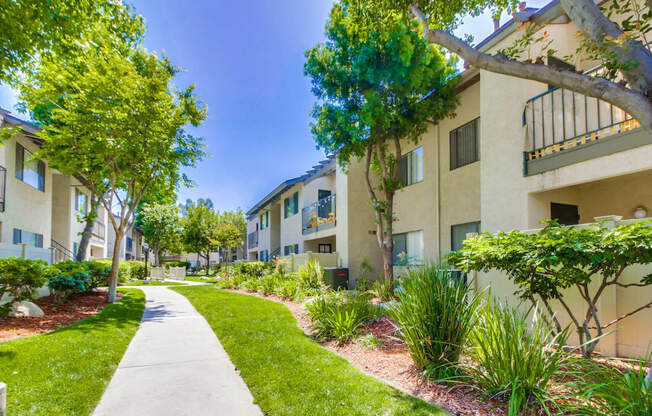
[61,252]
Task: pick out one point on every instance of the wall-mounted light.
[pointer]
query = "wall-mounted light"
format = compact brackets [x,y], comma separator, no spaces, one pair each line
[640,212]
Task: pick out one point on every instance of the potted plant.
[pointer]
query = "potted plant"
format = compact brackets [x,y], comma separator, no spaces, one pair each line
[331,217]
[314,220]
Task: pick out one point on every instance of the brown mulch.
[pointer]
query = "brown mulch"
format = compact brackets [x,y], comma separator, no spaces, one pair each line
[391,362]
[75,308]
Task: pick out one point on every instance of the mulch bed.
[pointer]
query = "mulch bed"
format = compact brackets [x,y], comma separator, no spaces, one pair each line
[391,362]
[75,308]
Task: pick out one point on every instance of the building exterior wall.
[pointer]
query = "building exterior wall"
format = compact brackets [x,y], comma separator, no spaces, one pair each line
[291,227]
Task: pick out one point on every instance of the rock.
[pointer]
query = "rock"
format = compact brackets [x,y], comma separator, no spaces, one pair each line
[26,309]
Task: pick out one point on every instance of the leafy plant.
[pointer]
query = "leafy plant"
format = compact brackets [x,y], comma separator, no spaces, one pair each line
[70,277]
[515,360]
[99,273]
[268,283]
[370,341]
[288,289]
[339,315]
[384,290]
[311,277]
[610,391]
[543,264]
[436,315]
[19,279]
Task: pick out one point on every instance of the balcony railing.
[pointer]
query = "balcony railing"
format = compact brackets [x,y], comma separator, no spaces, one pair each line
[99,230]
[252,240]
[320,215]
[559,119]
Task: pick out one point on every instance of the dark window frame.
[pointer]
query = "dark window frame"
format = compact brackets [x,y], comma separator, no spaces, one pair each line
[478,228]
[404,168]
[470,150]
[291,205]
[20,168]
[329,245]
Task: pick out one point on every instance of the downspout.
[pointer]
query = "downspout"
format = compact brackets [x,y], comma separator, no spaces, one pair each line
[437,193]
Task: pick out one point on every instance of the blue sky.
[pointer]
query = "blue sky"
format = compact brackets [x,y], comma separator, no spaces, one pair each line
[246,60]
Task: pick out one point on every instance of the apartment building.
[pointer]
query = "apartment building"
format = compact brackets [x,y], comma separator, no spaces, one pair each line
[516,153]
[41,210]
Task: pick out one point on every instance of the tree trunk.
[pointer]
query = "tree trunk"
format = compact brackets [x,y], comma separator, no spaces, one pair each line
[115,267]
[632,101]
[208,258]
[85,240]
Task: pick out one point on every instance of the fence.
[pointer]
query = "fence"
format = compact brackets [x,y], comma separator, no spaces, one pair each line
[295,261]
[632,337]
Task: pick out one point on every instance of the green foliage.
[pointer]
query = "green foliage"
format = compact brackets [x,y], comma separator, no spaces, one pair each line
[289,289]
[370,341]
[19,279]
[385,289]
[71,277]
[516,357]
[33,28]
[311,278]
[544,263]
[199,226]
[610,391]
[340,315]
[160,224]
[98,272]
[169,264]
[436,315]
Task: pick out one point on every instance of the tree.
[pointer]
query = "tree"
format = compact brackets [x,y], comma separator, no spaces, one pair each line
[543,264]
[198,233]
[33,28]
[89,219]
[375,86]
[232,231]
[189,204]
[619,44]
[160,224]
[109,116]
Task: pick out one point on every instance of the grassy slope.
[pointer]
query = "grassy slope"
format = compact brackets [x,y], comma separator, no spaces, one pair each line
[286,371]
[65,372]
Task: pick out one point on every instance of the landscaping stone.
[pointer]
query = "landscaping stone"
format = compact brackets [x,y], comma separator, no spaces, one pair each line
[26,309]
[3,399]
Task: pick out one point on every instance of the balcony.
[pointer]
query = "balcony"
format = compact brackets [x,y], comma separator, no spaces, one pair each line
[319,216]
[252,240]
[560,121]
[99,230]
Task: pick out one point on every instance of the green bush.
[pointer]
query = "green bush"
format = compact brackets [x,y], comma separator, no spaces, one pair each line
[340,315]
[288,289]
[610,391]
[134,270]
[99,273]
[70,277]
[517,357]
[19,279]
[268,283]
[311,278]
[436,314]
[169,264]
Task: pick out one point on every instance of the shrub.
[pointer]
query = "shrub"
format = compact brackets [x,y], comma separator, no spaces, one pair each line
[134,270]
[169,264]
[19,279]
[339,315]
[384,290]
[288,289]
[70,277]
[436,315]
[516,360]
[610,391]
[99,274]
[268,283]
[311,278]
[370,341]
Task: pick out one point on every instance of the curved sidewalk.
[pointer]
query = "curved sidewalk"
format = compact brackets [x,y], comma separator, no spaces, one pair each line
[175,365]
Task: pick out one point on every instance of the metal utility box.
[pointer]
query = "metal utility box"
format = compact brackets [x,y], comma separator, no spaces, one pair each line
[336,278]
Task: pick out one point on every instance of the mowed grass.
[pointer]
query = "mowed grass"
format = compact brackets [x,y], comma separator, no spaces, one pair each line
[287,372]
[65,372]
[211,279]
[152,283]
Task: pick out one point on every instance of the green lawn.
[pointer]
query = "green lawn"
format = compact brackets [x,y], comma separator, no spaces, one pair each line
[65,372]
[152,283]
[210,279]
[287,372]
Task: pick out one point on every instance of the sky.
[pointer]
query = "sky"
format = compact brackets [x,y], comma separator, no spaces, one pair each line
[246,60]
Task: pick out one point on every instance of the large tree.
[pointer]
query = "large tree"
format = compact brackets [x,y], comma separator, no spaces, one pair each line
[160,224]
[377,85]
[613,33]
[110,117]
[232,231]
[33,28]
[199,228]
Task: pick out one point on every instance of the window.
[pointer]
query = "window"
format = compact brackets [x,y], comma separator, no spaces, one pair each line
[130,244]
[264,220]
[408,248]
[465,144]
[325,248]
[28,170]
[291,205]
[75,249]
[459,232]
[264,255]
[292,248]
[411,167]
[81,202]
[26,237]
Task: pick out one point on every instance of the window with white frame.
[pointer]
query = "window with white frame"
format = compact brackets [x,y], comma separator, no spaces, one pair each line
[408,248]
[81,202]
[28,170]
[411,167]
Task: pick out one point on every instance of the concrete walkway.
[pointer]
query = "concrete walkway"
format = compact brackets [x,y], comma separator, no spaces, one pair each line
[175,365]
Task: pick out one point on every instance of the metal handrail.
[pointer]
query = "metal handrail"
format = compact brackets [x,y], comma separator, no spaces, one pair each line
[61,252]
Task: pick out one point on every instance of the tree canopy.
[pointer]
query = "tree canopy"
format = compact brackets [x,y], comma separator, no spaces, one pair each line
[199,230]
[160,224]
[377,85]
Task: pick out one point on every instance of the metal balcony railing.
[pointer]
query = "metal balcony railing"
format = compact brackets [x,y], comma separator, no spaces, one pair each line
[252,240]
[559,119]
[320,215]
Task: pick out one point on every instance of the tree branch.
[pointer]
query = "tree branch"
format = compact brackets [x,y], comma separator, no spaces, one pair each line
[649,305]
[635,103]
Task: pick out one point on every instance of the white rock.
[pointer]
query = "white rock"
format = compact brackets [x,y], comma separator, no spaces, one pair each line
[27,309]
